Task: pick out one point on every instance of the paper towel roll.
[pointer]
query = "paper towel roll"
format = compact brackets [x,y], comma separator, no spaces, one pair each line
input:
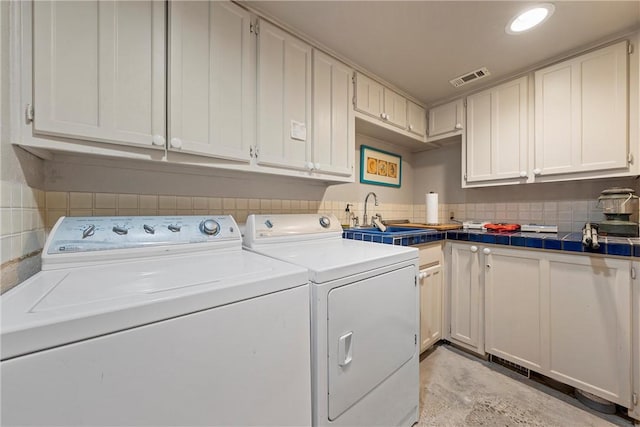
[431,201]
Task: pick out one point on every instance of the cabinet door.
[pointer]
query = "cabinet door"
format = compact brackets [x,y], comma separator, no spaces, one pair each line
[430,306]
[416,119]
[369,96]
[634,411]
[212,89]
[446,119]
[581,118]
[497,133]
[333,121]
[466,297]
[284,99]
[513,306]
[395,108]
[589,324]
[99,70]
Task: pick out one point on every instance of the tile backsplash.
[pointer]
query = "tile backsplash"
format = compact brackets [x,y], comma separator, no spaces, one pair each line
[568,215]
[28,214]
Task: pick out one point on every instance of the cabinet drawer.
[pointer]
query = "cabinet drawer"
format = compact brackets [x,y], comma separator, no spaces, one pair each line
[430,254]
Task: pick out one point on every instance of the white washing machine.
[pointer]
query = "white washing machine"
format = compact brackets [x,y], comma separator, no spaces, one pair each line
[156,321]
[364,318]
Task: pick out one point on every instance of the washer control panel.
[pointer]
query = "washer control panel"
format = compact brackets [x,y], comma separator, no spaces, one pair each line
[83,234]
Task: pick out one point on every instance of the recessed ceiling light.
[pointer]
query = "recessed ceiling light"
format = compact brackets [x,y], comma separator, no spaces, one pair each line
[529,18]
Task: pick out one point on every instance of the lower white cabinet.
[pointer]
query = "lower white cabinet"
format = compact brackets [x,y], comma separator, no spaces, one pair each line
[465,292]
[587,324]
[565,316]
[431,296]
[634,410]
[513,306]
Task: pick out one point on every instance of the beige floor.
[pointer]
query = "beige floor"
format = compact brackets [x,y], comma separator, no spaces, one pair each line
[460,390]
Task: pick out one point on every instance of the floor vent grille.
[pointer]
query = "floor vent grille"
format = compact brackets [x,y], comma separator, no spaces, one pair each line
[470,77]
[510,365]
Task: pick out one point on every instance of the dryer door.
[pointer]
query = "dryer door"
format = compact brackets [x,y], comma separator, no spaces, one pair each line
[372,328]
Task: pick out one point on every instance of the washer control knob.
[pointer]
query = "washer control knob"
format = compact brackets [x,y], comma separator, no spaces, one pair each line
[89,231]
[210,227]
[174,228]
[149,229]
[268,223]
[119,230]
[325,222]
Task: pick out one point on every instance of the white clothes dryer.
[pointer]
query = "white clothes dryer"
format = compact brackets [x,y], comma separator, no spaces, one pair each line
[365,318]
[156,321]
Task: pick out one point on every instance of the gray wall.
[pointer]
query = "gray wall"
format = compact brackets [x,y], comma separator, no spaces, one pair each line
[440,170]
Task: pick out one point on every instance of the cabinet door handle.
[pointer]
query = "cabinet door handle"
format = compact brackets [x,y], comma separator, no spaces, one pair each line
[310,166]
[345,353]
[458,126]
[158,140]
[410,127]
[176,143]
[537,171]
[523,174]
[382,116]
[422,275]
[474,249]
[486,251]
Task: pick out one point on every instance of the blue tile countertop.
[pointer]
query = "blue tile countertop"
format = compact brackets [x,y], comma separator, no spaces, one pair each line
[567,242]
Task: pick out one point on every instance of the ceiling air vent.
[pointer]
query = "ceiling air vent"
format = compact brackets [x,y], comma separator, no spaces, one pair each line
[470,77]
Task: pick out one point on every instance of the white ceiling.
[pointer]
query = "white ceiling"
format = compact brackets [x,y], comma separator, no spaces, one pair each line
[419,46]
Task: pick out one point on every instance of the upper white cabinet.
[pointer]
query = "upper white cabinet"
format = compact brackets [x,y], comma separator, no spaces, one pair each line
[581,113]
[284,99]
[385,114]
[369,96]
[446,120]
[380,102]
[496,146]
[416,119]
[333,122]
[99,71]
[212,80]
[395,108]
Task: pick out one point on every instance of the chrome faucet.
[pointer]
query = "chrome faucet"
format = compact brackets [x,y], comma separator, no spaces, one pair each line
[365,220]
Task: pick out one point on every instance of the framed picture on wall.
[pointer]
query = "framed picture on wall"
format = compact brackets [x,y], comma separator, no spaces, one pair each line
[380,167]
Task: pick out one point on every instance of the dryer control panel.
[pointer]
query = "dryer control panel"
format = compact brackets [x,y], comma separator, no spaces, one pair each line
[290,227]
[84,234]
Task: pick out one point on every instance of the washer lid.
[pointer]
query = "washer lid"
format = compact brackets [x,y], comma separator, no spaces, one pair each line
[337,258]
[62,306]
